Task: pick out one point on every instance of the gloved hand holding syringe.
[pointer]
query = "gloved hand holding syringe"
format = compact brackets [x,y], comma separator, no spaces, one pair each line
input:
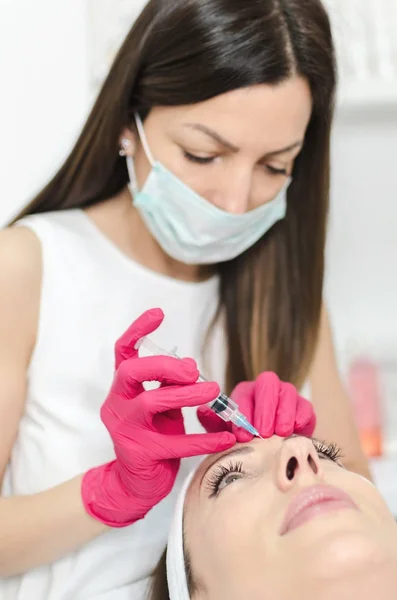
[223,406]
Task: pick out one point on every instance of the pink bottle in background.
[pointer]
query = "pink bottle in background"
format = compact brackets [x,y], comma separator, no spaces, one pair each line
[365,391]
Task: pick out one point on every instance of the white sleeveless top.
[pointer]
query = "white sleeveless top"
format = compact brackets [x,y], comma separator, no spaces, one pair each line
[91,293]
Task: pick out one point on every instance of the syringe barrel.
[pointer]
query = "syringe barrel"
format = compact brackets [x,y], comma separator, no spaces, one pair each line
[155,350]
[224,407]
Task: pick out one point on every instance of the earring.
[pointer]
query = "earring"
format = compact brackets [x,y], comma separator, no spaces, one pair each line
[125,143]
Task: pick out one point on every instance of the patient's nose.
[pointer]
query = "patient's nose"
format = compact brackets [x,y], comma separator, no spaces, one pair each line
[298,462]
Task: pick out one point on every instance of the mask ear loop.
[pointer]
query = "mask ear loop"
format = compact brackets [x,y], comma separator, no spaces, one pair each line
[132,175]
[143,139]
[130,160]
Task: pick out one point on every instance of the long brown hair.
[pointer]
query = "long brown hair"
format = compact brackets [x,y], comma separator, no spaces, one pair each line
[158,586]
[271,295]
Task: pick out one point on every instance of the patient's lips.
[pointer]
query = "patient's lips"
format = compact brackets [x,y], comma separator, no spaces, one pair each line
[313,502]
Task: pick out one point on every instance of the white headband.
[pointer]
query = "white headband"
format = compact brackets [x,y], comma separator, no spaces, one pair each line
[176,573]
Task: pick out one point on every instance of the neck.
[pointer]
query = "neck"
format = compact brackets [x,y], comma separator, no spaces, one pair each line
[120,221]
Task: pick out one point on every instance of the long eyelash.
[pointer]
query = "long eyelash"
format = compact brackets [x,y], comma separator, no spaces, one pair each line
[218,475]
[198,159]
[275,171]
[331,451]
[201,160]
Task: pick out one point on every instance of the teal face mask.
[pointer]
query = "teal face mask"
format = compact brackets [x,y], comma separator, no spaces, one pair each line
[189,228]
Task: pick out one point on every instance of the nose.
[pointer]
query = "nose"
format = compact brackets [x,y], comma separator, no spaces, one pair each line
[298,462]
[234,196]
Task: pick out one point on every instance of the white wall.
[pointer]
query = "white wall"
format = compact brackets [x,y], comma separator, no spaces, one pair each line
[44,92]
[362,252]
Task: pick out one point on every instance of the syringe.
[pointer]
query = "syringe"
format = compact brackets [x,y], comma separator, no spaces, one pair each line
[223,406]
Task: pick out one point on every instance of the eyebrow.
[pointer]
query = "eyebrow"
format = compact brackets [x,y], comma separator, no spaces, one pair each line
[233,452]
[220,140]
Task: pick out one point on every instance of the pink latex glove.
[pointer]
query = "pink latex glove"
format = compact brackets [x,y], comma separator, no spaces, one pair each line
[272,407]
[147,430]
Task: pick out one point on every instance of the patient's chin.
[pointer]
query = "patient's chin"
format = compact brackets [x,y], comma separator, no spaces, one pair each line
[355,554]
[375,582]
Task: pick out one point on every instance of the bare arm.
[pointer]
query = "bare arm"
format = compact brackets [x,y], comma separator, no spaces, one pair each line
[42,528]
[335,419]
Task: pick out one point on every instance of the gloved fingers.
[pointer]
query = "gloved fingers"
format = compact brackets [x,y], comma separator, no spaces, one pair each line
[190,362]
[267,391]
[175,414]
[286,411]
[244,395]
[171,398]
[214,424]
[210,421]
[200,444]
[165,369]
[243,390]
[246,398]
[242,436]
[148,322]
[305,420]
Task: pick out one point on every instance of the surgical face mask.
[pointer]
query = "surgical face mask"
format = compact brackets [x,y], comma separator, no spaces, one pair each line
[189,228]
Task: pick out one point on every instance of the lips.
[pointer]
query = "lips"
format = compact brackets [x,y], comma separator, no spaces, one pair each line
[313,502]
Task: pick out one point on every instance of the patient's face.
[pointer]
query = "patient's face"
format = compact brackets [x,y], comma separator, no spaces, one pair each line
[280,520]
